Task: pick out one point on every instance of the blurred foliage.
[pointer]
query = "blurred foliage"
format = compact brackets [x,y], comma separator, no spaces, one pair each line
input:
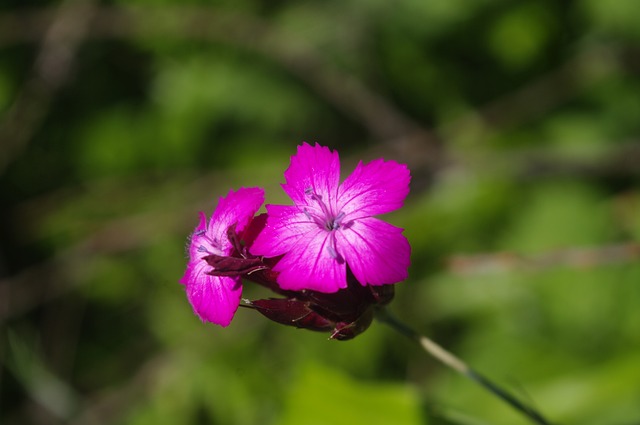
[120,120]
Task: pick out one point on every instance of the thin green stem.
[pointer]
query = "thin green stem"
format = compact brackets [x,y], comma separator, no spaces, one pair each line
[461,367]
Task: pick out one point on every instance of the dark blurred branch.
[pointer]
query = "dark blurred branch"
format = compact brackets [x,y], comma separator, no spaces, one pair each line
[581,258]
[620,161]
[409,140]
[61,35]
[541,94]
[50,279]
[344,91]
[617,163]
[112,405]
[401,137]
[64,269]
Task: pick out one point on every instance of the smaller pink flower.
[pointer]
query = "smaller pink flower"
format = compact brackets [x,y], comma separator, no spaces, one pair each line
[216,298]
[332,228]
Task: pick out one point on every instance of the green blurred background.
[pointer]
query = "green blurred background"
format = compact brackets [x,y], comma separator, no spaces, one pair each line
[120,120]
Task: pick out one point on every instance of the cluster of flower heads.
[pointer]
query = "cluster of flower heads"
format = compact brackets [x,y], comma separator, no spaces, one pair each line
[327,256]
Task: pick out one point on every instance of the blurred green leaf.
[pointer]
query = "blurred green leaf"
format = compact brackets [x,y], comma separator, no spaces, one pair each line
[520,36]
[321,395]
[560,215]
[614,17]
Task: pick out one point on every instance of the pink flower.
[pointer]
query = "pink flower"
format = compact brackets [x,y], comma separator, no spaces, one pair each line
[331,226]
[216,298]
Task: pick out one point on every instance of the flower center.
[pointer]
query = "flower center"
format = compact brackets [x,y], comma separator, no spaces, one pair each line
[327,220]
[206,244]
[334,222]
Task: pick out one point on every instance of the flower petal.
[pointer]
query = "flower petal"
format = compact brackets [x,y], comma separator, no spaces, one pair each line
[377,253]
[198,243]
[216,298]
[213,298]
[374,188]
[236,208]
[307,261]
[309,264]
[286,225]
[314,168]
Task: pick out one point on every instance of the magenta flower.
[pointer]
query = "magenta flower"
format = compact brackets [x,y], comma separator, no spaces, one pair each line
[216,298]
[331,226]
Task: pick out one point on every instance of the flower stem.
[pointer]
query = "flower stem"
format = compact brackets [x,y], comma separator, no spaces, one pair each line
[459,366]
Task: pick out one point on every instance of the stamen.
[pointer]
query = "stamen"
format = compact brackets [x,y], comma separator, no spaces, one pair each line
[338,220]
[318,198]
[327,220]
[332,252]
[209,245]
